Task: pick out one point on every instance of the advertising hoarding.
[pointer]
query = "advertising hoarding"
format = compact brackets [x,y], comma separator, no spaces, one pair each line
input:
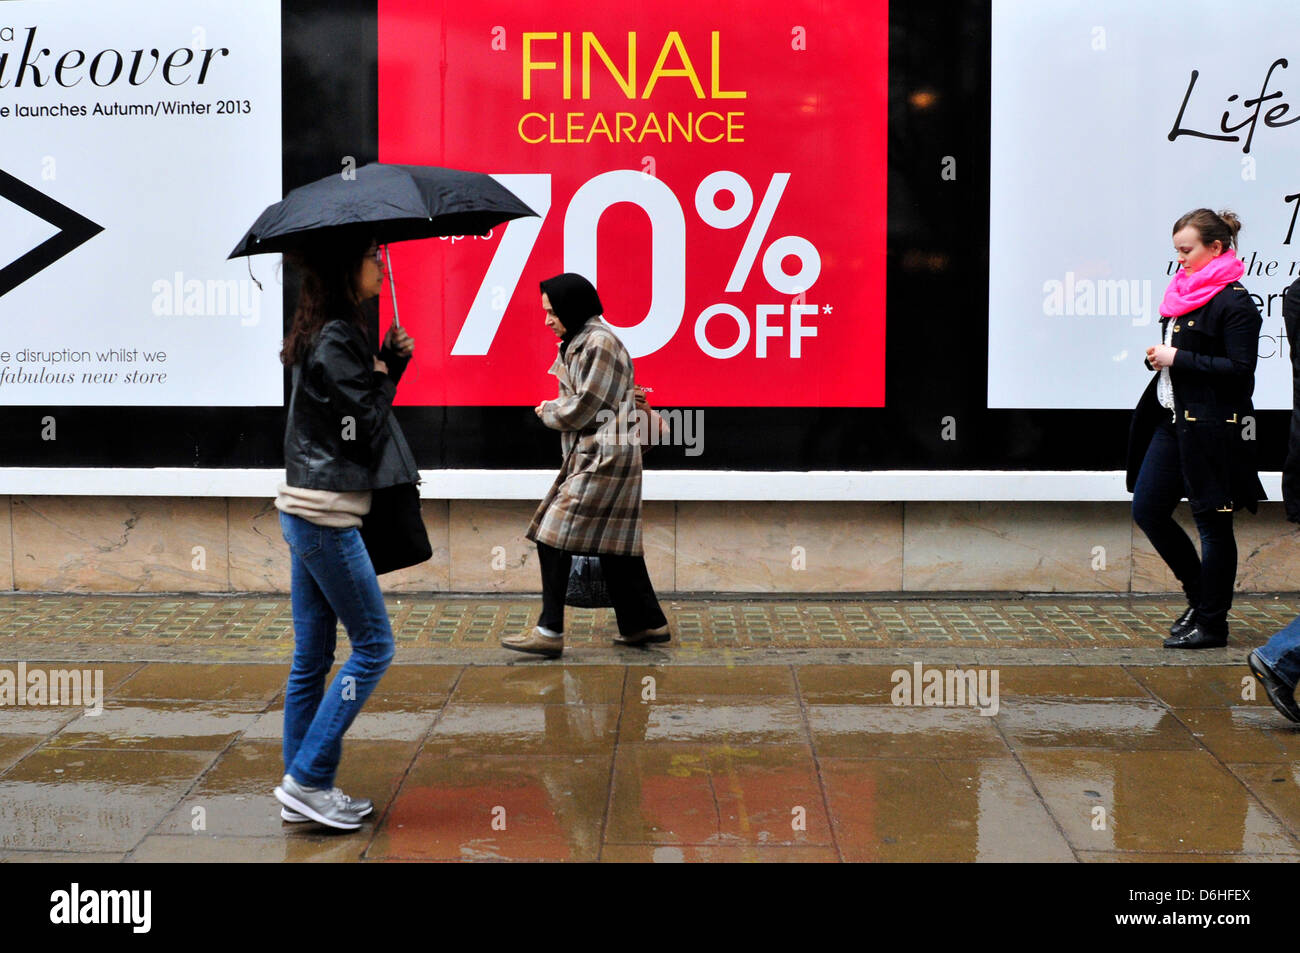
[721,179]
[135,146]
[1109,121]
[933,434]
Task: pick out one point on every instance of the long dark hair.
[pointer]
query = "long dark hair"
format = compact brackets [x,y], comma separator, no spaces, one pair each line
[328,272]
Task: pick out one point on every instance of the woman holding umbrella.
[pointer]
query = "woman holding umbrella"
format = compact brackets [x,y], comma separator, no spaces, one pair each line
[341,441]
[594,506]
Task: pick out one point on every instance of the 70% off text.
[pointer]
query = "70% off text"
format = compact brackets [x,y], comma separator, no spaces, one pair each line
[668,270]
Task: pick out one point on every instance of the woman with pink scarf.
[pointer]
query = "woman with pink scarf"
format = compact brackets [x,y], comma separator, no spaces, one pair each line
[1193,433]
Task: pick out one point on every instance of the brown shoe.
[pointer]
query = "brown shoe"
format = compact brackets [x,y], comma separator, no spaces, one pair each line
[660,634]
[537,642]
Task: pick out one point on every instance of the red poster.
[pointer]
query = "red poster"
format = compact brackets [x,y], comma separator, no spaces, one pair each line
[717,170]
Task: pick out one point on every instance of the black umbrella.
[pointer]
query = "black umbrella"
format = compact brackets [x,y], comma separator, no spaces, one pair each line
[390,203]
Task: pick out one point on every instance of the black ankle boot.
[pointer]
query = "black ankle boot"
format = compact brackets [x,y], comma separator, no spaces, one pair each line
[1184,622]
[1197,638]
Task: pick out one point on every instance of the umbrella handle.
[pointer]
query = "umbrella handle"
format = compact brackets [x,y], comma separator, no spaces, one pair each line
[392,287]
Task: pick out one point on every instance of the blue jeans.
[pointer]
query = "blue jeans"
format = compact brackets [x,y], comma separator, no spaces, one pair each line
[1207,580]
[332,579]
[1282,653]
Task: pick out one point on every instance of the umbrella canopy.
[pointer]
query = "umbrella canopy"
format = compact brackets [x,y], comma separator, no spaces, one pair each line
[390,203]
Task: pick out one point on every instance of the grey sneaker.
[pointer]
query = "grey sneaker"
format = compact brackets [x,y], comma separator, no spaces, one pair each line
[329,807]
[361,807]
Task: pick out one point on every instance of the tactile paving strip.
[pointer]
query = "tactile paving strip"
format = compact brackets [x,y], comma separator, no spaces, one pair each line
[469,622]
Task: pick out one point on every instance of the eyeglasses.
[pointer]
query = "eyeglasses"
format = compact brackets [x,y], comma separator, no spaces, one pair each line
[377,254]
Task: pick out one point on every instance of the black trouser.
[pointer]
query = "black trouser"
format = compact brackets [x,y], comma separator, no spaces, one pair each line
[1207,580]
[635,605]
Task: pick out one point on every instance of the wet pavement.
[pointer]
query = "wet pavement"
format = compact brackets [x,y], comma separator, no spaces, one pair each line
[1035,729]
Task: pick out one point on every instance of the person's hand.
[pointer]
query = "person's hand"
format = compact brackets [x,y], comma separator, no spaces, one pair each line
[641,402]
[398,340]
[1161,356]
[380,366]
[538,409]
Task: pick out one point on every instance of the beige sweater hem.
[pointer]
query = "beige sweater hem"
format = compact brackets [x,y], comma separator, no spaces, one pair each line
[336,508]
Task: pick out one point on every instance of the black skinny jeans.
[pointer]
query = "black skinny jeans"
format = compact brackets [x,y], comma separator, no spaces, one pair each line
[635,605]
[1207,580]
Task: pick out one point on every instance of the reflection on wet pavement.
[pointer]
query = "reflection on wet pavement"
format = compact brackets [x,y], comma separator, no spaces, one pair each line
[496,808]
[525,729]
[886,731]
[1170,801]
[912,810]
[709,794]
[57,799]
[1093,724]
[668,764]
[552,685]
[169,725]
[720,719]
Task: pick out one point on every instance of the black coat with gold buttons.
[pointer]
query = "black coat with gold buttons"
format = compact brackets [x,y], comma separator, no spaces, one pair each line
[1213,376]
[1291,469]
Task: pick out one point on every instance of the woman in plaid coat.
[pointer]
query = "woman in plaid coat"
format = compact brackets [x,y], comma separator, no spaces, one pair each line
[594,506]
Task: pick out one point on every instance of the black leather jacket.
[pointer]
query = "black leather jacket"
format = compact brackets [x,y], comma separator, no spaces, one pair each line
[341,433]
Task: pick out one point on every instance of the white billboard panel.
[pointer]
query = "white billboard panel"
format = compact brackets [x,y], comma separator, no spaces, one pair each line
[138,141]
[1110,119]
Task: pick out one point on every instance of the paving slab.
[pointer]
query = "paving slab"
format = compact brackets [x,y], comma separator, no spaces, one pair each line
[1154,801]
[921,809]
[708,795]
[62,799]
[496,808]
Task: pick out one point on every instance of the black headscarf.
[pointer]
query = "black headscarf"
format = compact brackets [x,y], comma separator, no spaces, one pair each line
[574,300]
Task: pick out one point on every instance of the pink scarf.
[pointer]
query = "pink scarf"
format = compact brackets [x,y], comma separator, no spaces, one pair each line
[1189,292]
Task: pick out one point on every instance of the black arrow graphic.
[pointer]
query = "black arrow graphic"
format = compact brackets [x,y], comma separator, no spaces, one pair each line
[74,230]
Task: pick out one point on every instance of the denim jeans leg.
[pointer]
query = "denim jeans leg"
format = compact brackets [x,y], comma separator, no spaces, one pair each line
[1282,653]
[343,571]
[315,629]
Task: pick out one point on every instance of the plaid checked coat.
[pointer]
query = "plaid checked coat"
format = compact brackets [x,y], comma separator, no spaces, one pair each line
[594,505]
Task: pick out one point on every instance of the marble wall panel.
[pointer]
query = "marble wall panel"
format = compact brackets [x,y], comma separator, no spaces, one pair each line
[789,547]
[1034,547]
[6,544]
[488,550]
[120,544]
